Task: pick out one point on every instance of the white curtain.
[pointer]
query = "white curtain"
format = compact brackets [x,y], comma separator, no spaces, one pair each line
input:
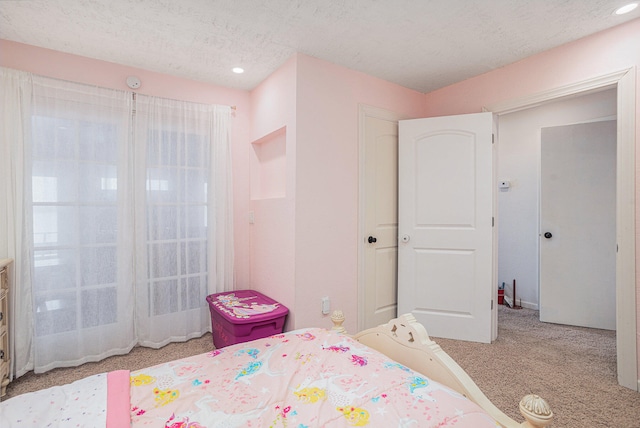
[221,244]
[177,225]
[77,165]
[117,215]
[15,116]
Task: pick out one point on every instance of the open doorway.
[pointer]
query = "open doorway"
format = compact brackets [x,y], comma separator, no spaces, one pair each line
[624,83]
[519,165]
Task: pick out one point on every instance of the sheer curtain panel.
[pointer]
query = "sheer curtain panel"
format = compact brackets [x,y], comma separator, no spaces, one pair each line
[221,245]
[177,194]
[78,167]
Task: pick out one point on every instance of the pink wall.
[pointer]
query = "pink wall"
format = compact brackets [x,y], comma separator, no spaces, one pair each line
[327,182]
[605,52]
[273,106]
[609,51]
[60,65]
[304,246]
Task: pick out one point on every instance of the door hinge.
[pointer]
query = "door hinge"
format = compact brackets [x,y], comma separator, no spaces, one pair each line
[493,138]
[491,304]
[493,221]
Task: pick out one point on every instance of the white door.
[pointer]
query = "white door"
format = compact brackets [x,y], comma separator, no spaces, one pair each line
[445,268]
[578,225]
[381,221]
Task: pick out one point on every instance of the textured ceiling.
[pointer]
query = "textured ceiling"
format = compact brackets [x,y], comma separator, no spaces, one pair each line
[419,44]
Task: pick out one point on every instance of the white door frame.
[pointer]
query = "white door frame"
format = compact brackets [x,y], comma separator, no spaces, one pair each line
[365,111]
[625,82]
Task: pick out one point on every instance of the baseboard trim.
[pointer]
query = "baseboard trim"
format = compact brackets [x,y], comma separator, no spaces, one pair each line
[525,304]
[529,305]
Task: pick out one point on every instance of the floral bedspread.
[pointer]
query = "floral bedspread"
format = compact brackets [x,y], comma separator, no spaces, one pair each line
[304,378]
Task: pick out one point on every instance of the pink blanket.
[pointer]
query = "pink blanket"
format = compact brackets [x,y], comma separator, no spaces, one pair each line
[304,378]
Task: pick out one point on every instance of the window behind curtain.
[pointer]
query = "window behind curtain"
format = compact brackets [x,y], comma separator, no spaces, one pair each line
[119,224]
[75,222]
[82,157]
[176,189]
[81,242]
[173,141]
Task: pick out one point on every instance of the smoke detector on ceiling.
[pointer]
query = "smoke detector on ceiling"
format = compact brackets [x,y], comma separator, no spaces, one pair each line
[133,82]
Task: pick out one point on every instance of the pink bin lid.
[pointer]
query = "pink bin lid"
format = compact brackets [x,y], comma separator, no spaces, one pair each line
[246,306]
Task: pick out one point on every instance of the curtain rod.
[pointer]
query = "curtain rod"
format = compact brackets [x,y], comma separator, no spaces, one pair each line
[133,94]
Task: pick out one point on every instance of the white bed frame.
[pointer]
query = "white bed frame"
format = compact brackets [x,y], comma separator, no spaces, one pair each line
[406,341]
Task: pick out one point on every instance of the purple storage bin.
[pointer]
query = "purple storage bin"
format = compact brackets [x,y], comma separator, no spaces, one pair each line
[244,315]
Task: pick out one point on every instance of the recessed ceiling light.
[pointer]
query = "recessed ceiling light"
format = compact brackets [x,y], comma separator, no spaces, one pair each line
[238,70]
[626,9]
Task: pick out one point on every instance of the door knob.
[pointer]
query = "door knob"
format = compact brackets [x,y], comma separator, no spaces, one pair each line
[548,235]
[371,239]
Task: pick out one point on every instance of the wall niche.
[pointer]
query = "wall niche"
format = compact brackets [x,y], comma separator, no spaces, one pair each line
[269,166]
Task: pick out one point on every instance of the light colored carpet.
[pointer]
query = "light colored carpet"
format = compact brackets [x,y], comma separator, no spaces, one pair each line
[573,368]
[138,358]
